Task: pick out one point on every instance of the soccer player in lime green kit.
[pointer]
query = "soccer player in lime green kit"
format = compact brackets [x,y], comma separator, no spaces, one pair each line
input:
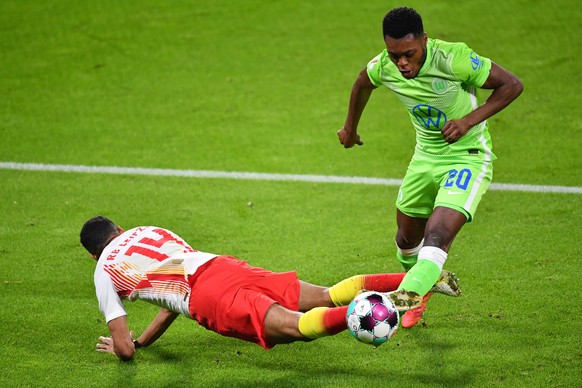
[452,164]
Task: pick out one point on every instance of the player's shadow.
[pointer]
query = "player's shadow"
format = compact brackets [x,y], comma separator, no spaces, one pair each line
[340,359]
[443,370]
[321,361]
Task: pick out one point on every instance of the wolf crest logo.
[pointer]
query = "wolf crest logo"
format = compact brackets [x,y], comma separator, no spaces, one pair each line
[439,85]
[429,116]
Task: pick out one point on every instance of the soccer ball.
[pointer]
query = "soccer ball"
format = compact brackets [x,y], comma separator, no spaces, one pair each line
[372,318]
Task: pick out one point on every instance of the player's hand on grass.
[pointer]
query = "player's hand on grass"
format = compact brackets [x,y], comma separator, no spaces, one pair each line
[106,345]
[453,130]
[349,138]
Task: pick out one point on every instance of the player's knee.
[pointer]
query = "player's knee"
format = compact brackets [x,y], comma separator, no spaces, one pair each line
[407,242]
[282,325]
[311,296]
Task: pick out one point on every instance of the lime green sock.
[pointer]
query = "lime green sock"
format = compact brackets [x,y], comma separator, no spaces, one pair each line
[408,257]
[406,261]
[421,277]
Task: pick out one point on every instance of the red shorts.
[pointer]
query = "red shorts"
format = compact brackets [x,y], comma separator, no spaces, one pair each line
[230,297]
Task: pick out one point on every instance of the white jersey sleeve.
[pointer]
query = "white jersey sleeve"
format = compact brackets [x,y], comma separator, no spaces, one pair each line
[109,302]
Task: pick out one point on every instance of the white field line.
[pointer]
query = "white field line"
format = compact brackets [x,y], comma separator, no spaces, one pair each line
[261,176]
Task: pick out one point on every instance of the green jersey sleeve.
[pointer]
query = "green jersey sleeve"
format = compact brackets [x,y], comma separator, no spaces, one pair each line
[468,66]
[374,69]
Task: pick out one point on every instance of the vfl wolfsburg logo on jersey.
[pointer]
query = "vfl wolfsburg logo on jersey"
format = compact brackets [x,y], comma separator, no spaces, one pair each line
[439,85]
[429,116]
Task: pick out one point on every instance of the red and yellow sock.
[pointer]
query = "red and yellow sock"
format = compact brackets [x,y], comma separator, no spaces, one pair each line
[323,321]
[342,293]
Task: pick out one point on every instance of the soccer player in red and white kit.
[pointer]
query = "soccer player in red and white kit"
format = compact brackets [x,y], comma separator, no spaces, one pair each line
[221,293]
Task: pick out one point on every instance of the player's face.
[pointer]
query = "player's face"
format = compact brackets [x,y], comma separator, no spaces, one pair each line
[407,53]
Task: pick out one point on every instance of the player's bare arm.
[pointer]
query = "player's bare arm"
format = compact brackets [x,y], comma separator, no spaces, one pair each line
[159,325]
[361,91]
[120,341]
[506,88]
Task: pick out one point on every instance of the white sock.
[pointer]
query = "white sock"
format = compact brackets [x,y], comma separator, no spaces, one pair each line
[410,252]
[434,254]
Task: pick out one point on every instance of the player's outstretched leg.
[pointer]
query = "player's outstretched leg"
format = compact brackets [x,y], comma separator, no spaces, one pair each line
[343,292]
[323,321]
[282,326]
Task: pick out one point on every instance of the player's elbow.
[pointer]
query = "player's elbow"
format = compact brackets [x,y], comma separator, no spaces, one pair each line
[516,86]
[125,354]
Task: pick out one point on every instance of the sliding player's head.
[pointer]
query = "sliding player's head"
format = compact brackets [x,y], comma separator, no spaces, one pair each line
[96,233]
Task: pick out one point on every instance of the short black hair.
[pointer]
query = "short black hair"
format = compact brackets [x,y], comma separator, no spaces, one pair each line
[401,22]
[96,233]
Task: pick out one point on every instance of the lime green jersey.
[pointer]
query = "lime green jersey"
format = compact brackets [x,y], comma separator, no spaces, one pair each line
[443,90]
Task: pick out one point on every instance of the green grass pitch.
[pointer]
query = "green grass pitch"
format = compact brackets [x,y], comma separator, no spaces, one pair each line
[262,86]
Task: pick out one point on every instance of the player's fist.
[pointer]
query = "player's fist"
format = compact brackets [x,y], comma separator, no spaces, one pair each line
[453,130]
[349,138]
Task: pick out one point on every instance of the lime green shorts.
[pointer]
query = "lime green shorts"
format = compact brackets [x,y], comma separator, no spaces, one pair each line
[453,183]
